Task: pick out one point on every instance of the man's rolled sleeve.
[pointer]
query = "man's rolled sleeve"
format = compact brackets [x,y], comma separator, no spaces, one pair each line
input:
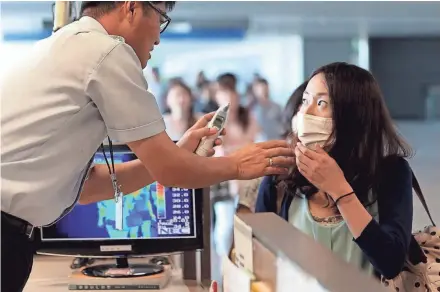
[119,90]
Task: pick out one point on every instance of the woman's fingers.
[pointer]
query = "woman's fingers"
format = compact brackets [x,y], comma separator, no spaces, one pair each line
[302,158]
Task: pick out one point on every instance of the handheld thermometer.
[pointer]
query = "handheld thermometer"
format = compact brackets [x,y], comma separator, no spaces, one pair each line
[218,122]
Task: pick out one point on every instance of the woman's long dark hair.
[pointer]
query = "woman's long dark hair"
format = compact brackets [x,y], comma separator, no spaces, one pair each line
[177,82]
[292,107]
[363,132]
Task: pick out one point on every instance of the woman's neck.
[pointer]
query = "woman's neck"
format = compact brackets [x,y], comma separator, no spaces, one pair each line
[233,115]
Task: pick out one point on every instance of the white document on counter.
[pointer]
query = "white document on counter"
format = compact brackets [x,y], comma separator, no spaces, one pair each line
[292,278]
[243,245]
[234,278]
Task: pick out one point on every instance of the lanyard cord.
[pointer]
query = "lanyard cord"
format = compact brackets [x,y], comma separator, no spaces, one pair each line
[110,170]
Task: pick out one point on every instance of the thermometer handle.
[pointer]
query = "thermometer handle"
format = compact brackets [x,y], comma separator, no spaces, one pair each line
[205,145]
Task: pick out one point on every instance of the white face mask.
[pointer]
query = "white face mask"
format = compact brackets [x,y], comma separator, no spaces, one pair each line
[311,129]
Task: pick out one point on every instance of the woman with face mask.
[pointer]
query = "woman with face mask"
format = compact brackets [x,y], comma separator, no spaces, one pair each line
[179,115]
[351,188]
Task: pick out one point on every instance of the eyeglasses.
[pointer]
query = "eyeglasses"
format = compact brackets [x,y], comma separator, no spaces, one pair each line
[164,19]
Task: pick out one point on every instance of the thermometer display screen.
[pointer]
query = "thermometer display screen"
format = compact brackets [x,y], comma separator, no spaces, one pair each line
[218,122]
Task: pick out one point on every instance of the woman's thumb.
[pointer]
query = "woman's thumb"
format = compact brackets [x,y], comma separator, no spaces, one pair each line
[319,149]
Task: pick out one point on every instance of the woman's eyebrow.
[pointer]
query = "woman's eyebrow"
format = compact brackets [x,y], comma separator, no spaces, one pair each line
[319,94]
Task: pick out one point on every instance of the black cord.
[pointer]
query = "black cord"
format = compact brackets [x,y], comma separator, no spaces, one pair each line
[111,157]
[343,196]
[111,153]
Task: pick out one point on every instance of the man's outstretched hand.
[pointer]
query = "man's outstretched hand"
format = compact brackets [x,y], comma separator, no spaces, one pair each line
[252,161]
[265,158]
[191,139]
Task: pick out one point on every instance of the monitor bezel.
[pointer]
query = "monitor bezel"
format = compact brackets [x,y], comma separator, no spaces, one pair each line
[137,246]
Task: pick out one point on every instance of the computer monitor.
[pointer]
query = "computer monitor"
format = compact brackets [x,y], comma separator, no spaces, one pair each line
[156,219]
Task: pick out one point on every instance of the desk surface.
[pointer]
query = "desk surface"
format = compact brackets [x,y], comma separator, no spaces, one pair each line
[50,274]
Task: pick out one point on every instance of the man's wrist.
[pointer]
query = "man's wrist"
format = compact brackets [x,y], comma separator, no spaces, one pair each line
[231,167]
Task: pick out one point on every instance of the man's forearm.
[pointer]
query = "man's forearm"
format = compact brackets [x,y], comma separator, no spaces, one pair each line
[172,166]
[207,172]
[131,175]
[192,171]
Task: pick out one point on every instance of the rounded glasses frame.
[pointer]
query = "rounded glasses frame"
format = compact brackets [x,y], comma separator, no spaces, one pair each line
[165,19]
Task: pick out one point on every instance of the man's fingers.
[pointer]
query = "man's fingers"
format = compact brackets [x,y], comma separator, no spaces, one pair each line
[280,151]
[283,161]
[203,121]
[218,142]
[273,170]
[210,152]
[203,132]
[274,144]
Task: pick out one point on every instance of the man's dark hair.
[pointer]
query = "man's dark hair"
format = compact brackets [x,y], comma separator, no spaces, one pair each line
[262,81]
[227,81]
[99,8]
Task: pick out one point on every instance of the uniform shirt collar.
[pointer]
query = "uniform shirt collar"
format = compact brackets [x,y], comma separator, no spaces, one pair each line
[92,24]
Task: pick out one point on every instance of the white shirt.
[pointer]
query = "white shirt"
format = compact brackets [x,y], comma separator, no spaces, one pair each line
[58,105]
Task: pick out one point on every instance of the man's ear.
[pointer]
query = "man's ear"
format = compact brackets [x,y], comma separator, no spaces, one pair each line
[132,6]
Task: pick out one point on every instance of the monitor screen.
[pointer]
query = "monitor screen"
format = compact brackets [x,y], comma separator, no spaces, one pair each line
[153,213]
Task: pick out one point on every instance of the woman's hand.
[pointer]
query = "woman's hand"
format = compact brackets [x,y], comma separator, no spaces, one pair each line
[322,171]
[192,137]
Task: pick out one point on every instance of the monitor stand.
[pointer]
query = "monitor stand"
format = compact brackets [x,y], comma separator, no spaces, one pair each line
[121,276]
[122,270]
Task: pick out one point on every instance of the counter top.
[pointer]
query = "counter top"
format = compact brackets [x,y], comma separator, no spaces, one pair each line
[50,274]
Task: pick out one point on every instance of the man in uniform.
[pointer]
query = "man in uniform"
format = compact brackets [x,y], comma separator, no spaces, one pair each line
[58,104]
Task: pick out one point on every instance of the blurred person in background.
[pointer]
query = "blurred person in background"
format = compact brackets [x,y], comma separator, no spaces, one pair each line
[248,192]
[227,81]
[201,80]
[267,112]
[205,99]
[241,124]
[242,129]
[156,87]
[179,113]
[202,93]
[249,99]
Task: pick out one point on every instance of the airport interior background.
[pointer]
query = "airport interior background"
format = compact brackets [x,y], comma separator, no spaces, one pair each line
[282,43]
